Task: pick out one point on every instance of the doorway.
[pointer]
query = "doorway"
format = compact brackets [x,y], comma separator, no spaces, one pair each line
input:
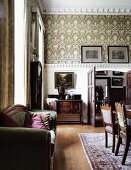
[102,96]
[101,90]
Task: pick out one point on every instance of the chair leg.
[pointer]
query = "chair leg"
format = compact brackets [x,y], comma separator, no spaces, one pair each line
[127,144]
[118,145]
[113,145]
[106,140]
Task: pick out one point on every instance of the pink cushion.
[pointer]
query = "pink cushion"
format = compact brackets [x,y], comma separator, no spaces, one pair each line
[37,122]
[7,121]
[34,121]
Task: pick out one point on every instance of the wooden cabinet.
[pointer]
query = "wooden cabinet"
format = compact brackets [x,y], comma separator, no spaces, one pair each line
[69,111]
[128,91]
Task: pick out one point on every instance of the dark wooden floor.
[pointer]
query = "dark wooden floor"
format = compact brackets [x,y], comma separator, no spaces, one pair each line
[69,154]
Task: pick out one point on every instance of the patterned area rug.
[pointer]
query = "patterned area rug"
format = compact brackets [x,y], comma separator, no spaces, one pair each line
[101,158]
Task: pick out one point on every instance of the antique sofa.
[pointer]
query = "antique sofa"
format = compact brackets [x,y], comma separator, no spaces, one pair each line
[24,147]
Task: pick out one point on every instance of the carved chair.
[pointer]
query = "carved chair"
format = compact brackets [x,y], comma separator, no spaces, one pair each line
[124,131]
[110,125]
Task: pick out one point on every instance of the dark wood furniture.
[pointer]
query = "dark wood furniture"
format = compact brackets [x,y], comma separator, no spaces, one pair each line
[69,111]
[109,124]
[36,84]
[117,95]
[128,87]
[124,131]
[75,96]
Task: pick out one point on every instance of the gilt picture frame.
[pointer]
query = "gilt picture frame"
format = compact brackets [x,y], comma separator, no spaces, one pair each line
[118,54]
[91,54]
[65,78]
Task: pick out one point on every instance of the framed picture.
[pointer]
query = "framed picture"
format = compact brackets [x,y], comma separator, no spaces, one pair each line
[65,78]
[117,81]
[101,73]
[118,73]
[91,54]
[118,54]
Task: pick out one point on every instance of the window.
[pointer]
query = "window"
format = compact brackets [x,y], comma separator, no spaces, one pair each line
[20,56]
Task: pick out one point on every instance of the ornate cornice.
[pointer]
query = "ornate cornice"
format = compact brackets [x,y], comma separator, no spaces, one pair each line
[88,11]
[103,7]
[98,66]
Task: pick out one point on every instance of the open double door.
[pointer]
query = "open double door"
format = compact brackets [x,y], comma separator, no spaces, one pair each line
[94,116]
[91,97]
[113,94]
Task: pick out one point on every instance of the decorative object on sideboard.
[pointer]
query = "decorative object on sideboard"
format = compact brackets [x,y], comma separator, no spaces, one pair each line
[67,97]
[76,96]
[118,54]
[71,95]
[91,54]
[61,90]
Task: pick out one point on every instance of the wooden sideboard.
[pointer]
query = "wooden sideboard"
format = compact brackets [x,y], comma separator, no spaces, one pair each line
[69,111]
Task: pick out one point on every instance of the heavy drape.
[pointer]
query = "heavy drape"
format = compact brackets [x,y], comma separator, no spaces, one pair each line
[6,53]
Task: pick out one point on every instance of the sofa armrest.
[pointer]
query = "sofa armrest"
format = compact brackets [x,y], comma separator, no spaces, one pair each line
[24,135]
[25,148]
[52,123]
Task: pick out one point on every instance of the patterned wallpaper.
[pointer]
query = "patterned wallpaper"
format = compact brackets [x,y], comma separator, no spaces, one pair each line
[65,34]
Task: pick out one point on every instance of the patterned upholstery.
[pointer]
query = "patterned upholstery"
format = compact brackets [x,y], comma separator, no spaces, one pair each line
[109,124]
[106,115]
[124,131]
[120,118]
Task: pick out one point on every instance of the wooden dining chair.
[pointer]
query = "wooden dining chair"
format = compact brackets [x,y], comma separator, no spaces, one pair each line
[109,125]
[124,131]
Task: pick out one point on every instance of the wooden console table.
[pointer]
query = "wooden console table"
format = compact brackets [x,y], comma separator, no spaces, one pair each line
[69,111]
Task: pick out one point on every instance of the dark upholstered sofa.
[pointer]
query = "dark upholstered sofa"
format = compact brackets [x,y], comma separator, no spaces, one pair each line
[26,148]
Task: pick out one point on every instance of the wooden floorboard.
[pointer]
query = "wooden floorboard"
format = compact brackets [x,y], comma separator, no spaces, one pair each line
[69,154]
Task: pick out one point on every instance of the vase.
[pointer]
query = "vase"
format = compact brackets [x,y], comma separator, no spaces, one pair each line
[61,91]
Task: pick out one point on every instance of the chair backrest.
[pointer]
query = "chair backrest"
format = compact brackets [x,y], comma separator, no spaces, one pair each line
[107,114]
[116,104]
[121,116]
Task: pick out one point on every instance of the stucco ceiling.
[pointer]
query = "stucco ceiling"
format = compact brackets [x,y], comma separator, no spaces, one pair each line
[86,6]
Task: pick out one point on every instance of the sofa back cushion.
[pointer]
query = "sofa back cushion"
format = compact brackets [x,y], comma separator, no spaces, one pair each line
[13,119]
[19,117]
[6,121]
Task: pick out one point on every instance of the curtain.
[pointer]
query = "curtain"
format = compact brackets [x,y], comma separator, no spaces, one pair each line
[6,53]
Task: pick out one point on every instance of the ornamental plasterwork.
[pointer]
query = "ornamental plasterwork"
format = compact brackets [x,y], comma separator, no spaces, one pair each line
[89,11]
[119,7]
[98,66]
